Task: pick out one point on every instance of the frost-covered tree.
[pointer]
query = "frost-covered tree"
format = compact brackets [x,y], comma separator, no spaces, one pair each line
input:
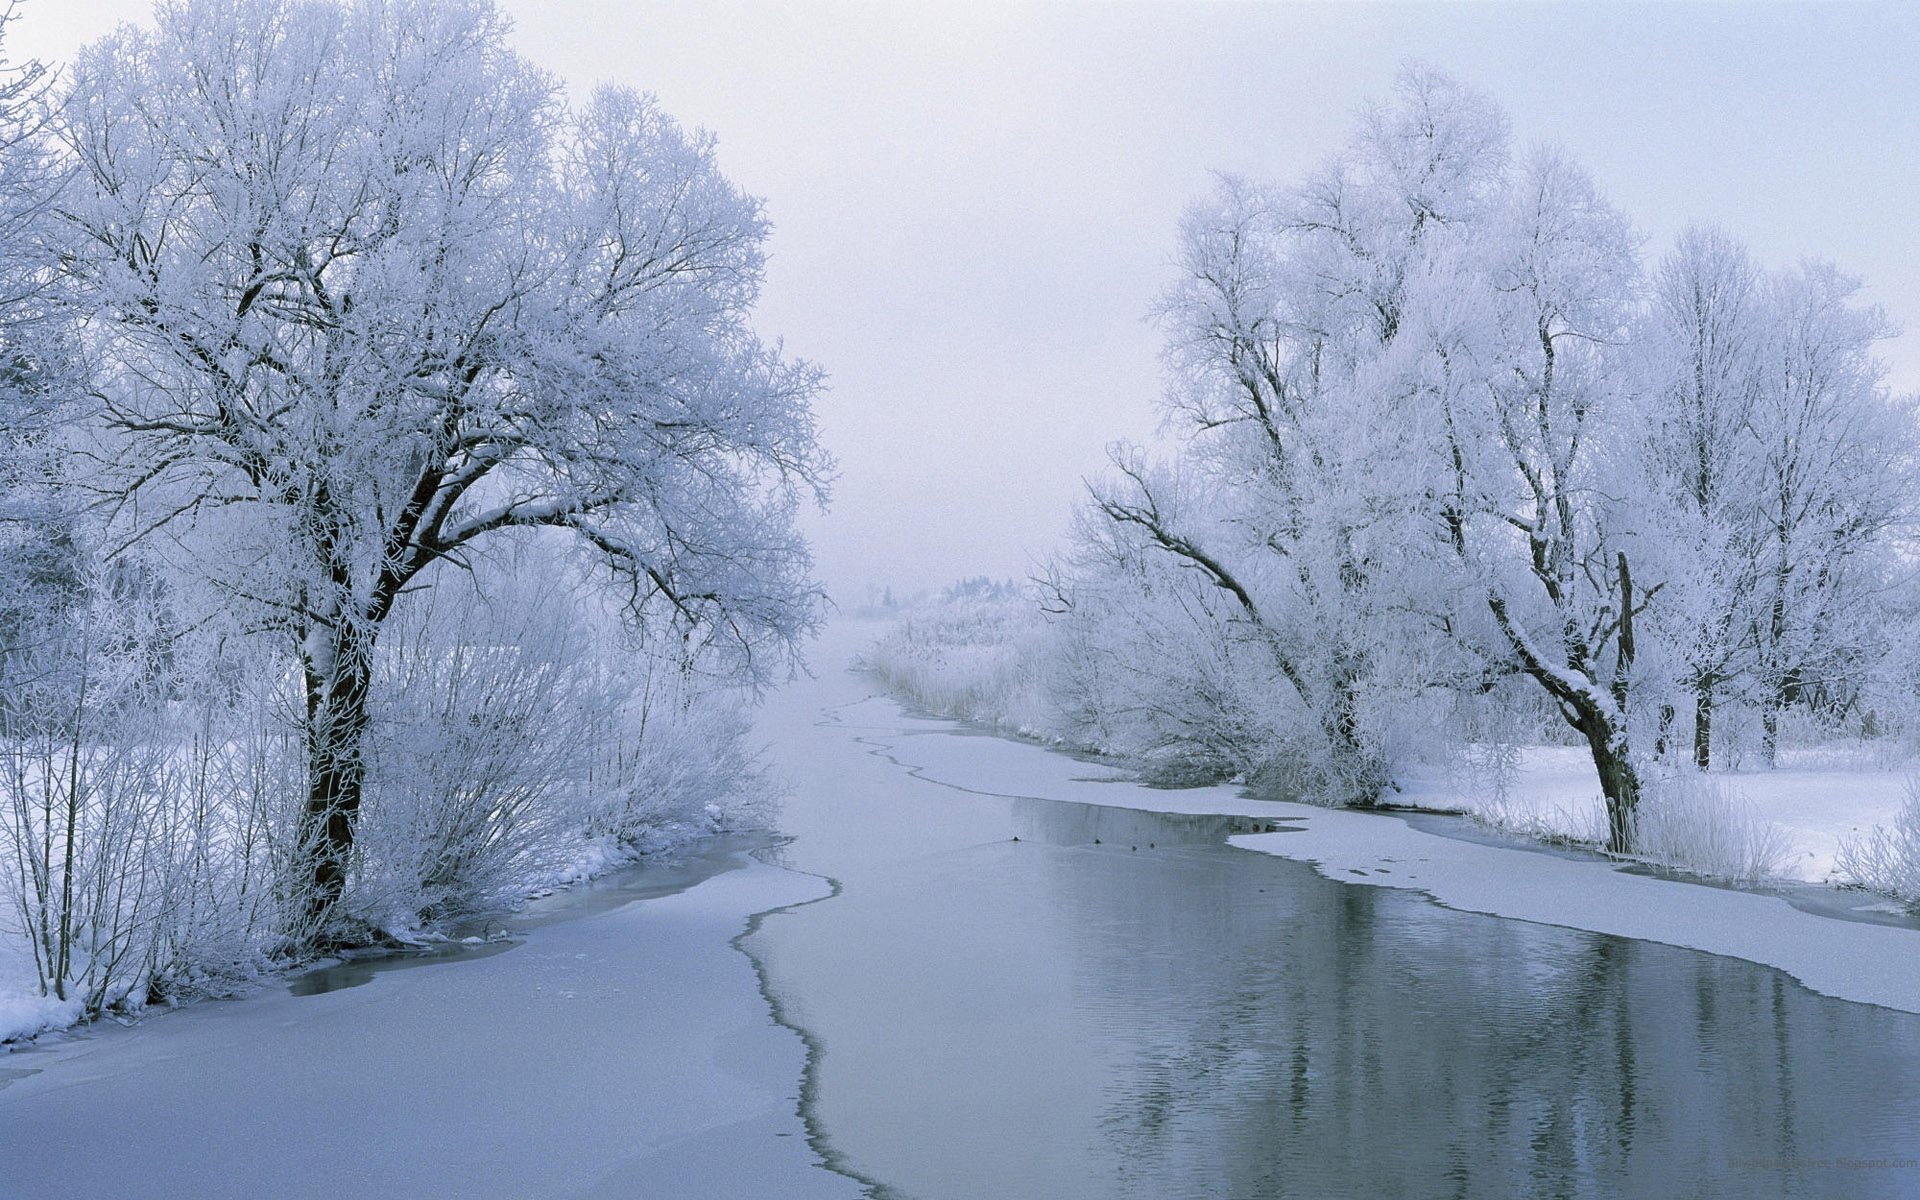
[365,295]
[1834,479]
[40,565]
[1701,343]
[1282,332]
[1779,469]
[1531,381]
[1166,655]
[1449,452]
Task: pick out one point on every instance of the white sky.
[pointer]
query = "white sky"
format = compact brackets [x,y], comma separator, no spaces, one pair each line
[975,204]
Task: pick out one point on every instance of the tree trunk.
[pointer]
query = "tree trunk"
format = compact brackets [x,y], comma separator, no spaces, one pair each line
[338,675]
[1703,724]
[1619,783]
[1362,776]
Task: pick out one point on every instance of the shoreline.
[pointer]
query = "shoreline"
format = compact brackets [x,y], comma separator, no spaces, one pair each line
[1847,957]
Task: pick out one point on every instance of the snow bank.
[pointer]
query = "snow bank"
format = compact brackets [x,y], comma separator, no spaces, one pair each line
[1554,791]
[23,1014]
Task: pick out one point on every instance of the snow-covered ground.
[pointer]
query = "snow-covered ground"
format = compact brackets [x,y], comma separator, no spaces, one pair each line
[1816,805]
[24,1012]
[1850,960]
[626,1053]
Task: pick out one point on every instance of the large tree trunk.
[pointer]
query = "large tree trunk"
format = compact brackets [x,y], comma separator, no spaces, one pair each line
[1619,783]
[1587,709]
[1788,692]
[338,674]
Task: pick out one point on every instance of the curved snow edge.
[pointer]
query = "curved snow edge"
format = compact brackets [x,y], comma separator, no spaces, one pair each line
[1848,960]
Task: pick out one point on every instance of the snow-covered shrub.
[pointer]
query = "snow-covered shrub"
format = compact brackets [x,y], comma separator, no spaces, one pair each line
[1157,676]
[976,653]
[1886,858]
[83,763]
[518,742]
[682,769]
[1700,824]
[226,834]
[147,789]
[1151,668]
[474,762]
[1560,823]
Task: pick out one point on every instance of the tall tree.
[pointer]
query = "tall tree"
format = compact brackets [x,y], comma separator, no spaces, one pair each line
[40,559]
[1834,480]
[1282,330]
[365,295]
[1529,373]
[1702,340]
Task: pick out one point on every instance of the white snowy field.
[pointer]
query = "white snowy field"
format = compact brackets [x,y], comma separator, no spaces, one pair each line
[628,1053]
[1815,805]
[1870,963]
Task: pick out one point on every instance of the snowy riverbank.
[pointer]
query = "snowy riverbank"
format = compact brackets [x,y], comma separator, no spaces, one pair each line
[1816,801]
[1863,962]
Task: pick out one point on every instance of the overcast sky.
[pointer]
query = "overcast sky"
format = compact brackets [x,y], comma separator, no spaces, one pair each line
[975,204]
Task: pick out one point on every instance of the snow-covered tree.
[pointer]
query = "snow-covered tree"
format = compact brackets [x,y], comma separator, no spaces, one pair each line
[1531,380]
[1701,343]
[40,565]
[1778,470]
[1282,331]
[1834,478]
[365,295]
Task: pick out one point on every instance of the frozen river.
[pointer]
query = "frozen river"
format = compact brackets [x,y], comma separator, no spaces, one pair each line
[951,989]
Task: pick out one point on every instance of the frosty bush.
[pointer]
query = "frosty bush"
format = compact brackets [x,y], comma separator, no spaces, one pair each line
[974,654]
[228,830]
[1687,820]
[683,769]
[83,750]
[1886,859]
[471,766]
[1146,670]
[517,743]
[1554,824]
[142,805]
[1152,674]
[1698,823]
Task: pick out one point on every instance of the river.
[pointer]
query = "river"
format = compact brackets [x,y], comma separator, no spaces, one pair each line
[1014,997]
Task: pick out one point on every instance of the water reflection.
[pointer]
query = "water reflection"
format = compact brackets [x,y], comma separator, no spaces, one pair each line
[1120,1005]
[1372,1044]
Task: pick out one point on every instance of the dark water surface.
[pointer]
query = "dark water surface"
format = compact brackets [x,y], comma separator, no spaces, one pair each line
[1000,1006]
